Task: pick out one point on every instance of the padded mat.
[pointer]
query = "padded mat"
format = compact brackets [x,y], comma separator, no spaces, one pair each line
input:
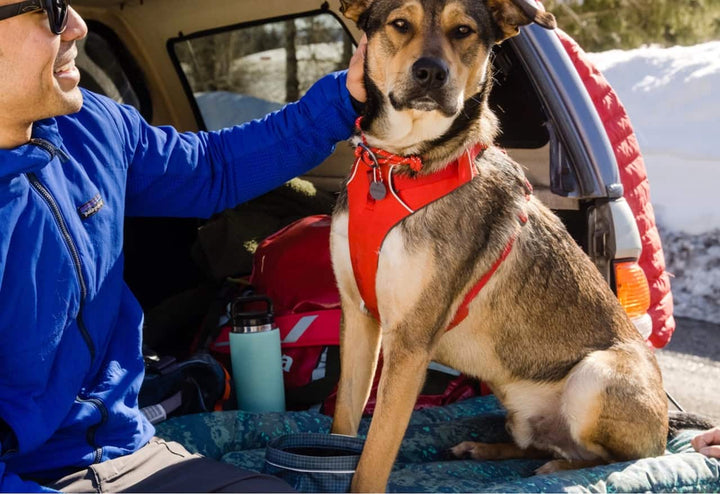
[424,465]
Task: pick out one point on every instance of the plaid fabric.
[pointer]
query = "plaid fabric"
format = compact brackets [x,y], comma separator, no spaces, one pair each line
[314,462]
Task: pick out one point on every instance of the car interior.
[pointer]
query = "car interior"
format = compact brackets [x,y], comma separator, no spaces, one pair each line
[238,61]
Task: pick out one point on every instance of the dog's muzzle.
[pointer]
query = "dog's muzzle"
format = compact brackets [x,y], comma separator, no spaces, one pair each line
[427,87]
[430,73]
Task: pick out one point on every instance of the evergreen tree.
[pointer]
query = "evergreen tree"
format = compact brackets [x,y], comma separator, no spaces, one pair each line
[604,24]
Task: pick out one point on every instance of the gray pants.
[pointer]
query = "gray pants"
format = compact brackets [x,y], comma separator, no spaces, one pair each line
[166,466]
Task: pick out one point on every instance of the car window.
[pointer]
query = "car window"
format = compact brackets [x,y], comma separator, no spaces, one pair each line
[107,68]
[246,71]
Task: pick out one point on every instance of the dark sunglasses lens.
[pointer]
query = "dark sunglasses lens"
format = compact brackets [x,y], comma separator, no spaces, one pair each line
[57,11]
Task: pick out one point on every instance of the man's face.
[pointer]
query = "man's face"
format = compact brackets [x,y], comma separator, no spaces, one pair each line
[38,77]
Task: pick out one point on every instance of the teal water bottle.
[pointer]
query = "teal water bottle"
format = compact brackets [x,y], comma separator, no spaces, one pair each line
[255,356]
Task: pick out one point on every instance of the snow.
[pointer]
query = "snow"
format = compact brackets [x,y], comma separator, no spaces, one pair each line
[672,96]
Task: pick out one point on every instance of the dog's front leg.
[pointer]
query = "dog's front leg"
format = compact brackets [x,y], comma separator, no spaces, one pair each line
[359,337]
[403,374]
[359,347]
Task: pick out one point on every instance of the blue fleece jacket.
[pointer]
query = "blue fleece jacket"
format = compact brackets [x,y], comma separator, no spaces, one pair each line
[70,330]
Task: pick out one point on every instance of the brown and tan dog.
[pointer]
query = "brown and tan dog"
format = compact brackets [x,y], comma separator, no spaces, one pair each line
[544,331]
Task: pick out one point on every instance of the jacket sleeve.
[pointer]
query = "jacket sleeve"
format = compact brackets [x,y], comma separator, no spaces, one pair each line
[198,174]
[9,482]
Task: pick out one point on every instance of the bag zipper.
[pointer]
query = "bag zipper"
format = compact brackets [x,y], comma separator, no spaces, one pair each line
[62,226]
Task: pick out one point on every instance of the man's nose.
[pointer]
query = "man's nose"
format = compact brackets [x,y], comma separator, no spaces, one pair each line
[76,28]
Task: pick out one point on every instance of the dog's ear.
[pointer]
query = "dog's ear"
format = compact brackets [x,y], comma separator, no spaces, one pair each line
[353,9]
[511,14]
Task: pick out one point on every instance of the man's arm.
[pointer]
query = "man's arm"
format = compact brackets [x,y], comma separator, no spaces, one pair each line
[198,174]
[9,482]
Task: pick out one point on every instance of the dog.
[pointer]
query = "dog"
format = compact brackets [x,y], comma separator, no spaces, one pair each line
[530,314]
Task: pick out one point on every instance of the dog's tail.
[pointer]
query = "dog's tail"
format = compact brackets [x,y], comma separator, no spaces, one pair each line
[680,421]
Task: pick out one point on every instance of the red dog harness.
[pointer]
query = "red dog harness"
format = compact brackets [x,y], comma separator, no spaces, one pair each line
[379,199]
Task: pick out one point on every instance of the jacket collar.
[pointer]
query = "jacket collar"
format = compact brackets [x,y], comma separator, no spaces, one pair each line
[30,157]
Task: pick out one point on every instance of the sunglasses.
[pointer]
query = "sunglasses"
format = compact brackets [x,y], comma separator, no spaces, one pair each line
[57,11]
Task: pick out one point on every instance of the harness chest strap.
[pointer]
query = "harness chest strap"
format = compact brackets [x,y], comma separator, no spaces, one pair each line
[371,216]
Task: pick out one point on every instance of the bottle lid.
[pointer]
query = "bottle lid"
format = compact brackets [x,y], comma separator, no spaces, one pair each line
[252,314]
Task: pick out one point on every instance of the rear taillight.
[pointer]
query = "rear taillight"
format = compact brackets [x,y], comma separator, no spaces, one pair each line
[634,294]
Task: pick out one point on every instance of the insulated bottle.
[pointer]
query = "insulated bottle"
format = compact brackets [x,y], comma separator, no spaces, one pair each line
[255,356]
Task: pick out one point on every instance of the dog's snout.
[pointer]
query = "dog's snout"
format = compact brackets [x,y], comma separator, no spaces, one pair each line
[430,73]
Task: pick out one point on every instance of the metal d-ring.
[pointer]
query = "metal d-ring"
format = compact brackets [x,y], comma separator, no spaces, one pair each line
[370,153]
[377,191]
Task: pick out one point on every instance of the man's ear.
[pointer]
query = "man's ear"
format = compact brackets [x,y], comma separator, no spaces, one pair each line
[511,14]
[353,9]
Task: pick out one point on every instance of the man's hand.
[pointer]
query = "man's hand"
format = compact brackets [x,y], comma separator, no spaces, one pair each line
[708,442]
[355,83]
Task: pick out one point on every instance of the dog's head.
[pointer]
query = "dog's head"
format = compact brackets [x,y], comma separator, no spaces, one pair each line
[427,64]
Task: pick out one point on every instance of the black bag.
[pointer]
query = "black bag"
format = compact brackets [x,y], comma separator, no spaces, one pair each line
[172,387]
[314,462]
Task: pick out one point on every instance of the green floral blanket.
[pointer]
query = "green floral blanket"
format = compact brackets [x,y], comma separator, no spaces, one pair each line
[423,464]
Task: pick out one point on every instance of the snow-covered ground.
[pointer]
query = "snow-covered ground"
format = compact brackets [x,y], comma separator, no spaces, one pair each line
[672,96]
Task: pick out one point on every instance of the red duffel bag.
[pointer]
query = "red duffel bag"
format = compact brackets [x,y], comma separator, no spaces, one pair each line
[292,267]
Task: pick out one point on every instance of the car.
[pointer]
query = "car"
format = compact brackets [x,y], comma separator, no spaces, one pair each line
[205,65]
[223,62]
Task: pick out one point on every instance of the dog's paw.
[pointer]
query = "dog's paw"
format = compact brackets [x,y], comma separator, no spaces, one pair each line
[476,451]
[463,449]
[558,465]
[551,467]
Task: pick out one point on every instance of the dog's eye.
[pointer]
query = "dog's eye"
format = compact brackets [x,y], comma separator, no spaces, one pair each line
[401,25]
[462,32]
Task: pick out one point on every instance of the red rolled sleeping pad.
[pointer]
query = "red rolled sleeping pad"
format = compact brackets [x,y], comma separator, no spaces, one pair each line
[637,189]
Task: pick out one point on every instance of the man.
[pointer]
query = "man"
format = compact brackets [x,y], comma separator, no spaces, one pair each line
[72,165]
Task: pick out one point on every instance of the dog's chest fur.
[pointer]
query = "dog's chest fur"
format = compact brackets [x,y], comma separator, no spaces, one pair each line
[446,243]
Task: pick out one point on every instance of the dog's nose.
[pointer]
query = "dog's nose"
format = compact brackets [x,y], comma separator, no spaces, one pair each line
[430,73]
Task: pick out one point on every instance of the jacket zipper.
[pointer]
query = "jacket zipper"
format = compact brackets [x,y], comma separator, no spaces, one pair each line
[55,210]
[92,431]
[72,248]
